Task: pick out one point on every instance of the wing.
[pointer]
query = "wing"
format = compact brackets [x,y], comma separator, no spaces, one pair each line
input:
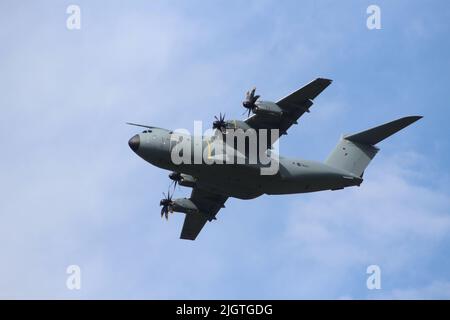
[209,205]
[293,106]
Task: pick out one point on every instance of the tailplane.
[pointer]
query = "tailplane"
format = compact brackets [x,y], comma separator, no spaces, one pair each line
[354,152]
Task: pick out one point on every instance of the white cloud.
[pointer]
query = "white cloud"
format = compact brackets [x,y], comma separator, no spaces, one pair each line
[388,221]
[435,290]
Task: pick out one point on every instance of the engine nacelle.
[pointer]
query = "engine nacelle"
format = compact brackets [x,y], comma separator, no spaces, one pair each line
[237,124]
[267,107]
[187,181]
[184,205]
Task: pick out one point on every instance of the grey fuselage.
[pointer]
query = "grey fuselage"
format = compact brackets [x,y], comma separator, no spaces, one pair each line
[243,181]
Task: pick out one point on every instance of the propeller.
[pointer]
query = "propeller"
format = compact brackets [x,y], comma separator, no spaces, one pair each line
[250,100]
[175,177]
[166,204]
[220,123]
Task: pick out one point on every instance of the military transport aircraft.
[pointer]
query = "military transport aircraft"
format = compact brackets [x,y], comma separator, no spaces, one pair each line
[213,184]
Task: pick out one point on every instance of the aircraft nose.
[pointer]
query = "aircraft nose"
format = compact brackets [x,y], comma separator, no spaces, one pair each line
[134,142]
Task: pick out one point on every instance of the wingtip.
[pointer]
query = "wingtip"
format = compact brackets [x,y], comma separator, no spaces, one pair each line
[325,79]
[408,120]
[142,125]
[413,118]
[186,238]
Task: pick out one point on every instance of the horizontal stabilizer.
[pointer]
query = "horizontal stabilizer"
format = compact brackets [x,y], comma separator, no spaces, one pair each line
[354,152]
[377,134]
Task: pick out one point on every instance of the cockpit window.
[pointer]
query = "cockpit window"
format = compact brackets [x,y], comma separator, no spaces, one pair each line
[147,131]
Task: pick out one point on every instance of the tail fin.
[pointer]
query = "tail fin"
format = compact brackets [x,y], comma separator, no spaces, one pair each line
[354,152]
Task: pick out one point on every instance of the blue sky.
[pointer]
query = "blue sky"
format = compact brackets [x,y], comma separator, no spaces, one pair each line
[74,193]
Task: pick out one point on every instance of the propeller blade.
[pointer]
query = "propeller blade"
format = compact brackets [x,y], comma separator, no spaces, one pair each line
[220,123]
[174,183]
[250,102]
